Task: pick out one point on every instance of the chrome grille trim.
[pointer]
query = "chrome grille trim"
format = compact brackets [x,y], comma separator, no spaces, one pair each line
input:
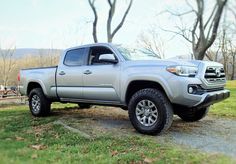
[214,74]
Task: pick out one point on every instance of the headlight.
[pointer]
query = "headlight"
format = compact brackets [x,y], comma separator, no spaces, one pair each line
[187,71]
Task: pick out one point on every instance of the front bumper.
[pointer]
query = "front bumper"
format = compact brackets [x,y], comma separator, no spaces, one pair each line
[213,97]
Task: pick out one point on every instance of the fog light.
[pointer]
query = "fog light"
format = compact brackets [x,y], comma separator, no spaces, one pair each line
[190,90]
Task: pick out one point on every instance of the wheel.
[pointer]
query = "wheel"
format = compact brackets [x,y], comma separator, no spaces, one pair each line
[191,115]
[150,111]
[39,105]
[84,106]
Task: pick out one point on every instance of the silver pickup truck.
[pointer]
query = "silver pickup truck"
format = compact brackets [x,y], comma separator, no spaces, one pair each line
[151,90]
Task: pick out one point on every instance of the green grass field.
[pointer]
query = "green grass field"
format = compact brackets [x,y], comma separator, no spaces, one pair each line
[227,108]
[25,139]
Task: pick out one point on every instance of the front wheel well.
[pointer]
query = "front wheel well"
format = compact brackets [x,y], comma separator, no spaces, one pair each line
[31,86]
[137,85]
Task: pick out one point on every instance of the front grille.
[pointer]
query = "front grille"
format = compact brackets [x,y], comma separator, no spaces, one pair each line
[215,75]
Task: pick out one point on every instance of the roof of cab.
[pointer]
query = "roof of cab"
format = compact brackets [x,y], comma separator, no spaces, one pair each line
[91,45]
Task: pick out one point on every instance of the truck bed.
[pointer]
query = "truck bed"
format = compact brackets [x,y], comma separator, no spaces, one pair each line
[42,75]
[33,68]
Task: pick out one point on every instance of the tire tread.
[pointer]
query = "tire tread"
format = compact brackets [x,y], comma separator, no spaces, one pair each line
[157,94]
[45,105]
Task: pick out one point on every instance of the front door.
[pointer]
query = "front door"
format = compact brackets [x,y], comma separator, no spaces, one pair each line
[101,78]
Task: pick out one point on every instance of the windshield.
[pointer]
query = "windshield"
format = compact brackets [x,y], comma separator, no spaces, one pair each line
[136,54]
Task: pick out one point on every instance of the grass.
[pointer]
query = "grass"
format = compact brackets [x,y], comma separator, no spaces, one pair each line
[25,139]
[226,108]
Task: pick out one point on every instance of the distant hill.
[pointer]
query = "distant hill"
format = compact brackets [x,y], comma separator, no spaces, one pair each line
[21,52]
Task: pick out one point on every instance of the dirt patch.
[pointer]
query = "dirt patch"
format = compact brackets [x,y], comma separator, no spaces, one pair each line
[214,135]
[97,121]
[210,134]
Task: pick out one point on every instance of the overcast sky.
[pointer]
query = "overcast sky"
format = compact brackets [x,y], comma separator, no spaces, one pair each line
[65,23]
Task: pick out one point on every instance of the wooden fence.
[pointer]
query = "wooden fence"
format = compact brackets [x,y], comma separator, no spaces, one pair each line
[11,95]
[8,93]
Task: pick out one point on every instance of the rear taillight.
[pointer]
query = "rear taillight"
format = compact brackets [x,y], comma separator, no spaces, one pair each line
[18,76]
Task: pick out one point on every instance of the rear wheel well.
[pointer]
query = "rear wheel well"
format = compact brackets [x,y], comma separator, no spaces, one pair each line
[31,86]
[137,85]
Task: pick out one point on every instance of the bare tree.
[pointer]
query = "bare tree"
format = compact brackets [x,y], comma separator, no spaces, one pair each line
[224,51]
[48,57]
[92,5]
[52,55]
[203,33]
[152,44]
[110,33]
[212,54]
[232,46]
[112,7]
[8,64]
[41,61]
[232,61]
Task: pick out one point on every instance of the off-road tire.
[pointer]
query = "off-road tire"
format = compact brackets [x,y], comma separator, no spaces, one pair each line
[192,115]
[164,108]
[44,103]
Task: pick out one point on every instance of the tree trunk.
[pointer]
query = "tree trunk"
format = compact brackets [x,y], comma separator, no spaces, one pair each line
[111,33]
[198,54]
[203,33]
[91,3]
[233,68]
[109,39]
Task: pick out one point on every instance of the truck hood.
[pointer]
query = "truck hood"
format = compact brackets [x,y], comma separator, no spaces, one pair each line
[169,62]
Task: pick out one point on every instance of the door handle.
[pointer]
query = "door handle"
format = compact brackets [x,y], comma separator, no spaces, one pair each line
[62,73]
[87,72]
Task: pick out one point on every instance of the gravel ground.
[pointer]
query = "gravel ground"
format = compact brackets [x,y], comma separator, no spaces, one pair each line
[211,134]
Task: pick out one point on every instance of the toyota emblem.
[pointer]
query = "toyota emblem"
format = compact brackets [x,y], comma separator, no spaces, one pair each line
[217,72]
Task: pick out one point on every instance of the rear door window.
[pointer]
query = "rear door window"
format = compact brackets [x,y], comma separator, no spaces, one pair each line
[75,57]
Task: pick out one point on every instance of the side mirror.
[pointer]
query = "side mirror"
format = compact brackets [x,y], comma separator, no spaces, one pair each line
[108,58]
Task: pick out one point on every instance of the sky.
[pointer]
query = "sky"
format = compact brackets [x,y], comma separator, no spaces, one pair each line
[66,23]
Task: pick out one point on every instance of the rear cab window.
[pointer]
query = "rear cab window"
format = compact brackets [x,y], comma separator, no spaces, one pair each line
[75,57]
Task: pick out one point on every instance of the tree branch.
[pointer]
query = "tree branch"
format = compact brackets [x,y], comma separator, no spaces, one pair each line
[178,33]
[91,3]
[109,19]
[179,14]
[212,13]
[216,21]
[122,20]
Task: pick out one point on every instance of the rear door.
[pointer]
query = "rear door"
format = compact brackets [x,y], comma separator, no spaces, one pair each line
[69,74]
[101,80]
